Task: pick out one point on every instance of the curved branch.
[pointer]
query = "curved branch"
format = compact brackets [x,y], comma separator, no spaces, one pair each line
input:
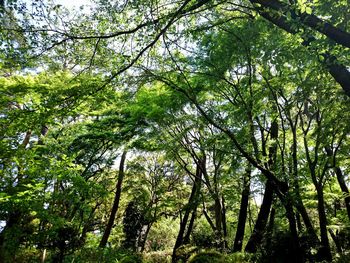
[338,35]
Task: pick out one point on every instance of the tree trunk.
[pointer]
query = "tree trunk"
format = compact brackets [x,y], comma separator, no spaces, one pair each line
[336,241]
[218,216]
[298,201]
[43,256]
[295,251]
[260,225]
[299,225]
[271,222]
[224,225]
[115,206]
[242,212]
[306,219]
[191,205]
[190,226]
[205,213]
[269,233]
[325,250]
[218,222]
[143,237]
[344,189]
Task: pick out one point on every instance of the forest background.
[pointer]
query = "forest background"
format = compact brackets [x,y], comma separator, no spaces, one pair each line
[174,131]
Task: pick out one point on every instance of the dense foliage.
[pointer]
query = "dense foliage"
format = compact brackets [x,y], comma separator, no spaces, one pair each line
[175,131]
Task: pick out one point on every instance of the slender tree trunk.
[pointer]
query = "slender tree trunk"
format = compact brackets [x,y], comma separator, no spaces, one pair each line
[271,223]
[260,225]
[218,221]
[269,233]
[218,216]
[190,226]
[191,205]
[205,213]
[306,219]
[299,225]
[295,251]
[344,189]
[325,250]
[336,241]
[242,218]
[115,206]
[143,237]
[224,225]
[298,202]
[43,256]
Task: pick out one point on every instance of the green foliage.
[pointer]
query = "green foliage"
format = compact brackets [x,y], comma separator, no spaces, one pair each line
[236,84]
[342,258]
[207,257]
[163,256]
[239,258]
[133,222]
[214,256]
[105,255]
[184,252]
[202,235]
[162,235]
[131,259]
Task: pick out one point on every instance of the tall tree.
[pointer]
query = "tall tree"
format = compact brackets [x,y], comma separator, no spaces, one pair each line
[115,206]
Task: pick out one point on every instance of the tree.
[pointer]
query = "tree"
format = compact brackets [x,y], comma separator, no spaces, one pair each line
[115,206]
[216,101]
[299,18]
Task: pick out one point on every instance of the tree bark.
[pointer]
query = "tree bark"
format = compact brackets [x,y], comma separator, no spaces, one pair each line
[336,241]
[190,226]
[261,222]
[344,189]
[296,189]
[269,233]
[218,216]
[325,250]
[224,225]
[242,218]
[191,205]
[205,213]
[260,226]
[143,237]
[295,251]
[116,200]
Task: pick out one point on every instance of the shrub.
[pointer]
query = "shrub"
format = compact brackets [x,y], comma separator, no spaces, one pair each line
[157,257]
[216,257]
[131,259]
[202,235]
[238,258]
[184,252]
[91,255]
[207,257]
[162,235]
[345,258]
